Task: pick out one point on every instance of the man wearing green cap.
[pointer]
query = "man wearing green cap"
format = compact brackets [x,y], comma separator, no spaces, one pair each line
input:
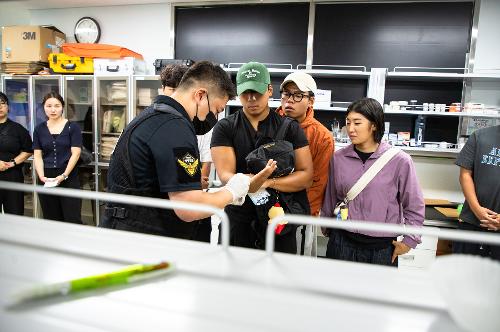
[239,134]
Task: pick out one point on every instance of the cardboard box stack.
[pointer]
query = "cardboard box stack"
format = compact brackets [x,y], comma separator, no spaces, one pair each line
[25,48]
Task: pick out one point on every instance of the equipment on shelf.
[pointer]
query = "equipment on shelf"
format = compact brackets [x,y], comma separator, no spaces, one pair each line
[162,63]
[67,64]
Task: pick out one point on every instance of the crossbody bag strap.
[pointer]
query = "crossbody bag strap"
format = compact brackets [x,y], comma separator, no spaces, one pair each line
[370,174]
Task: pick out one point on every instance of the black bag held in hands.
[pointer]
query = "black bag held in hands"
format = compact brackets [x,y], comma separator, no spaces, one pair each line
[278,149]
[293,203]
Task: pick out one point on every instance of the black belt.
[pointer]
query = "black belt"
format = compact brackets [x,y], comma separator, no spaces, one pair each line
[116,212]
[120,212]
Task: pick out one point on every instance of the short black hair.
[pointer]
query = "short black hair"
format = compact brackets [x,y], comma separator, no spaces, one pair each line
[172,74]
[373,111]
[3,97]
[53,94]
[212,75]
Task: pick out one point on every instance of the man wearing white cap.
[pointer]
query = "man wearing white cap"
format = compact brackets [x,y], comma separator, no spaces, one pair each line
[297,100]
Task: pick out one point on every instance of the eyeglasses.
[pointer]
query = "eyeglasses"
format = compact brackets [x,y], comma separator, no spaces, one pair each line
[297,96]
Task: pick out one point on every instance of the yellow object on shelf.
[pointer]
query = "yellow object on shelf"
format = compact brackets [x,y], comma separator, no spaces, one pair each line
[65,64]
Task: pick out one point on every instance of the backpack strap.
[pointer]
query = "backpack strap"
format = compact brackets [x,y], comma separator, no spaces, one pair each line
[280,135]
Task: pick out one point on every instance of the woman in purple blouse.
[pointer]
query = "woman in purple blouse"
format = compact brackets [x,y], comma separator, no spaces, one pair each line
[57,145]
[392,197]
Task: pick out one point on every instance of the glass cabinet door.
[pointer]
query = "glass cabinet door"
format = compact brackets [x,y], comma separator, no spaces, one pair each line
[145,90]
[112,111]
[78,95]
[112,116]
[78,91]
[17,90]
[43,85]
[30,204]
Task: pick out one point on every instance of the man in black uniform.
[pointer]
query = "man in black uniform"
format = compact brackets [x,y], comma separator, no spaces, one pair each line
[157,156]
[236,136]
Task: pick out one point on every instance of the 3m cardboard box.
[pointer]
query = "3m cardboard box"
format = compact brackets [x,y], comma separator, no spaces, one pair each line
[25,43]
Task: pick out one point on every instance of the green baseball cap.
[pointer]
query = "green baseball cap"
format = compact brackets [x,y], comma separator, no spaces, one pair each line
[252,76]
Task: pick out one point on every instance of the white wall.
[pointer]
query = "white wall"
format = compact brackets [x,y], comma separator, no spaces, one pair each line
[144,29]
[438,178]
[487,57]
[488,37]
[12,13]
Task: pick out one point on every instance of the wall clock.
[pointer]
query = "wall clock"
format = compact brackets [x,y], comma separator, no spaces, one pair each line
[87,30]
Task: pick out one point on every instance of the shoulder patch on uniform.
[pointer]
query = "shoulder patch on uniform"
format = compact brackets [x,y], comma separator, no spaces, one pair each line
[189,163]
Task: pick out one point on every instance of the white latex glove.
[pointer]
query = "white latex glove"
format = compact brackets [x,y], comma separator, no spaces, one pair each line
[238,186]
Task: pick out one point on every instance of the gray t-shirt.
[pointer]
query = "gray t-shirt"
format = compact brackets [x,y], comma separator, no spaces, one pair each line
[481,155]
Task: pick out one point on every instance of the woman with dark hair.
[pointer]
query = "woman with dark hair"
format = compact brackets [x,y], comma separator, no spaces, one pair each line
[57,146]
[393,196]
[15,148]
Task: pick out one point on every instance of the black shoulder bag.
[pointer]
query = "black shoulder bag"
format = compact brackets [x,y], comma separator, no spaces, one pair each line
[292,203]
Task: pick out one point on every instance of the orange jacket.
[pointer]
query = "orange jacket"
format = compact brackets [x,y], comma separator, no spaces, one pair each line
[321,146]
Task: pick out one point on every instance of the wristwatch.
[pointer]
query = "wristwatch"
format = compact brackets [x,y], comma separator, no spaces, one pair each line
[13,161]
[64,176]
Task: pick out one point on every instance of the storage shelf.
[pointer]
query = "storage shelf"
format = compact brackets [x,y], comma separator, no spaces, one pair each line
[436,76]
[419,151]
[425,76]
[314,72]
[277,103]
[455,114]
[483,77]
[111,104]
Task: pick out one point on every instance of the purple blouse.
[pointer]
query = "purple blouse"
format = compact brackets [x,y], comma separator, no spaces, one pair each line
[393,196]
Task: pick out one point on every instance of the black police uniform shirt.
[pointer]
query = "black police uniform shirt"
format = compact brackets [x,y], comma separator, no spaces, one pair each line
[164,154]
[164,151]
[14,139]
[236,131]
[481,155]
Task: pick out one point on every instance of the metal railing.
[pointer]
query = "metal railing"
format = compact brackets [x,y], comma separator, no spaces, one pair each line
[127,199]
[429,69]
[332,67]
[460,235]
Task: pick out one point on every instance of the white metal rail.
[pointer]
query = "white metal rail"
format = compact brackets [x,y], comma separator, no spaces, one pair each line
[460,235]
[127,199]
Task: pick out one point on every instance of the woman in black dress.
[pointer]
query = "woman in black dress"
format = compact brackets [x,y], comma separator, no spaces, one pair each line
[15,148]
[57,146]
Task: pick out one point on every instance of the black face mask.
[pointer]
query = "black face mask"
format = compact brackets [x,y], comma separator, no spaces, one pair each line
[203,127]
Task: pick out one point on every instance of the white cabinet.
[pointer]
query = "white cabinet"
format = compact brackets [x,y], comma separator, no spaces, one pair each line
[421,257]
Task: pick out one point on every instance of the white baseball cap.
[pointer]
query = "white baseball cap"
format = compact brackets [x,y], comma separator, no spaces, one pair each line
[304,81]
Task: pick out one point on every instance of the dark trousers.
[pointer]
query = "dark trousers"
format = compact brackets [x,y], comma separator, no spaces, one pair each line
[202,230]
[10,200]
[474,248]
[341,247]
[245,234]
[60,208]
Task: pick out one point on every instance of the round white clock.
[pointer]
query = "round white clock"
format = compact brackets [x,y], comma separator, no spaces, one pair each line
[87,30]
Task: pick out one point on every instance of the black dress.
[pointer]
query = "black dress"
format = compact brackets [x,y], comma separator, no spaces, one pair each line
[14,139]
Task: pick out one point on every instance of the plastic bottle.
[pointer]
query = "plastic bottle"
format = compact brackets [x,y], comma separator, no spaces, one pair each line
[419,130]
